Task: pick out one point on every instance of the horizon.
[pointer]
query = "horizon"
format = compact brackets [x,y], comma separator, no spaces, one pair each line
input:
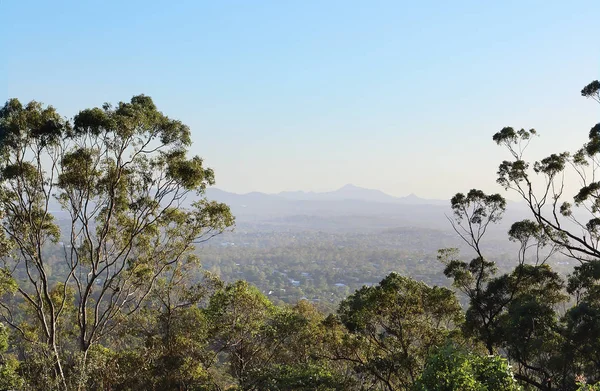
[273,195]
[280,97]
[347,185]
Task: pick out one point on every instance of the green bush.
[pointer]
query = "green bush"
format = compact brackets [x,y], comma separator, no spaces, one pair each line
[452,369]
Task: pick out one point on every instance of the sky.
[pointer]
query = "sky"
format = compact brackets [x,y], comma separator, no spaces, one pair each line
[311,95]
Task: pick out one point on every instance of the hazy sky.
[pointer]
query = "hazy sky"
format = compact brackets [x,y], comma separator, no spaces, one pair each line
[311,95]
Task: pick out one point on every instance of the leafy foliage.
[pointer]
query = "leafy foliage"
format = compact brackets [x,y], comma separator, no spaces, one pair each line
[125,306]
[453,368]
[393,325]
[120,176]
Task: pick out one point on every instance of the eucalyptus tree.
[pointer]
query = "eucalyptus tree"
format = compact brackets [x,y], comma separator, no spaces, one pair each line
[512,313]
[571,219]
[517,313]
[391,328]
[110,193]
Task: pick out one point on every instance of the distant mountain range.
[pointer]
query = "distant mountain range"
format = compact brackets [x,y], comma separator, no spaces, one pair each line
[352,192]
[350,209]
[346,193]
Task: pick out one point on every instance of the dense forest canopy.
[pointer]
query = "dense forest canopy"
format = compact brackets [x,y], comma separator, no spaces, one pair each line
[109,293]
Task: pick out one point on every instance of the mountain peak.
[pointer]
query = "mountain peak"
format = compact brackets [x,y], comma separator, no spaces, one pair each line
[350,186]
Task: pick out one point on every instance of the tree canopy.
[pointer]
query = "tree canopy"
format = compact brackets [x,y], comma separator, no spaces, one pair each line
[101,286]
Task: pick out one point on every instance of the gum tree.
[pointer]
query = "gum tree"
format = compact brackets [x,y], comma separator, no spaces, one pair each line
[570,219]
[94,212]
[517,313]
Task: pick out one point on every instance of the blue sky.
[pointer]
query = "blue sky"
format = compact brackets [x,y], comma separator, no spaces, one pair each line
[311,95]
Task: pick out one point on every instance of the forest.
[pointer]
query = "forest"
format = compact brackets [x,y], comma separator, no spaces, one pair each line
[113,275]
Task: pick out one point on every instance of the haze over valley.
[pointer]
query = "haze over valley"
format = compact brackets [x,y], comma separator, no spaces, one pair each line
[299,195]
[323,245]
